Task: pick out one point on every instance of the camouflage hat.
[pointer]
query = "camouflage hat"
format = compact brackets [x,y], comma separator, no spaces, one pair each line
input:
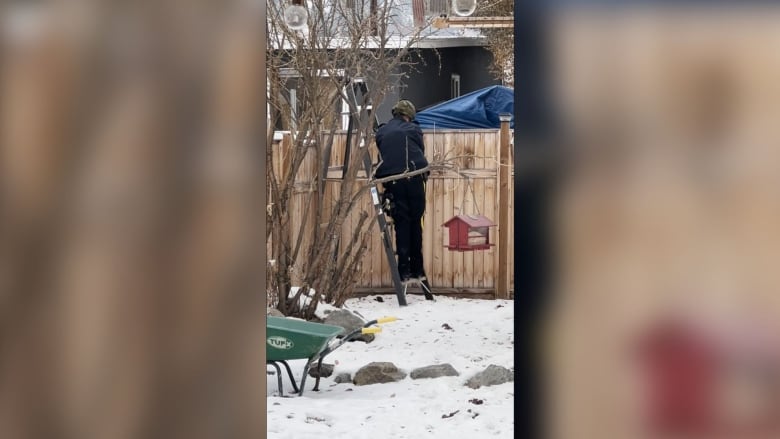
[405,108]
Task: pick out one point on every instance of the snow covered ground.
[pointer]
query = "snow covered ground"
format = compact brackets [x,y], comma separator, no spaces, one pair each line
[481,334]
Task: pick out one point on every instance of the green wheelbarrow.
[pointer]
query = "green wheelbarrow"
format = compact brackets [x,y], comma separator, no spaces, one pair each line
[293,339]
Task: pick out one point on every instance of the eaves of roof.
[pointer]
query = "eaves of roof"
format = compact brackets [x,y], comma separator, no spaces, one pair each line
[429,42]
[444,42]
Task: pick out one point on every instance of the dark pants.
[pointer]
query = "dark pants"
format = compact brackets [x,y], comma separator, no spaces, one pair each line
[408,198]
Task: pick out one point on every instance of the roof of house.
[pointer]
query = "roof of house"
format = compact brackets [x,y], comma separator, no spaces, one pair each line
[433,41]
[402,26]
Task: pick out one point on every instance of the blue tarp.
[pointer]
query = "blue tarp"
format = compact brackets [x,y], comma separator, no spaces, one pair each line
[478,109]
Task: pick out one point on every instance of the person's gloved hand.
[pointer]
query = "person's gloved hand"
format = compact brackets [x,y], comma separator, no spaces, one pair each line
[387,203]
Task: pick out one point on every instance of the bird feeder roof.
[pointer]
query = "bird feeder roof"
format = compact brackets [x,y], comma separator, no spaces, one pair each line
[471,221]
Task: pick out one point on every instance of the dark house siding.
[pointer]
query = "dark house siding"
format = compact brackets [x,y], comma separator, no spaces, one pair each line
[428,82]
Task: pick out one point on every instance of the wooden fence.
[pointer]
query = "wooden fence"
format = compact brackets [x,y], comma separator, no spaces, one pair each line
[471,187]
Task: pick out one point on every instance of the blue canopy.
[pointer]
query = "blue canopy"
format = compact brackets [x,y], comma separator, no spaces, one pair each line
[478,109]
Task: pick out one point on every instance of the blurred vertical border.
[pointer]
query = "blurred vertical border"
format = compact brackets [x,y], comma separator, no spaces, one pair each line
[681,116]
[533,136]
[132,219]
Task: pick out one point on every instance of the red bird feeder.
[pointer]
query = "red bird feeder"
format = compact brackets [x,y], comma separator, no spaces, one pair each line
[469,233]
[681,367]
[711,383]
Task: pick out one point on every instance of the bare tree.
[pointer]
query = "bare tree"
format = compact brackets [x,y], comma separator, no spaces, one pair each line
[345,41]
[500,42]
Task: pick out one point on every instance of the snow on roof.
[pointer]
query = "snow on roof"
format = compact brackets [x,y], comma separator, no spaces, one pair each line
[401,31]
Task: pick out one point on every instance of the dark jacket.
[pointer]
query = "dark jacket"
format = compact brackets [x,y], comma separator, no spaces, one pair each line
[400,146]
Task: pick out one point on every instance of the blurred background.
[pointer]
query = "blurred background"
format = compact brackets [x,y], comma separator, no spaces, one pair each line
[131,219]
[132,244]
[664,309]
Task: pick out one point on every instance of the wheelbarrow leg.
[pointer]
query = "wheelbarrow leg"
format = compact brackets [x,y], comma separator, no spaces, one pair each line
[290,374]
[319,375]
[278,376]
[305,374]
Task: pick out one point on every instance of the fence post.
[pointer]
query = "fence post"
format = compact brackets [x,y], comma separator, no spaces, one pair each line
[504,171]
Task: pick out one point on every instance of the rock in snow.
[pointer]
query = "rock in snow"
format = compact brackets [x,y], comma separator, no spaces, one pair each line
[378,372]
[343,378]
[327,370]
[491,376]
[434,371]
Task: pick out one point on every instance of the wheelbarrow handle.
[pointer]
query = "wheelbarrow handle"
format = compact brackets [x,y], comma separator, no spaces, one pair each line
[380,320]
[316,360]
[365,329]
[359,331]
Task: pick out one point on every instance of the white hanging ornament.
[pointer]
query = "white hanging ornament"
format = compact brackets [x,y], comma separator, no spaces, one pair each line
[296,16]
[464,8]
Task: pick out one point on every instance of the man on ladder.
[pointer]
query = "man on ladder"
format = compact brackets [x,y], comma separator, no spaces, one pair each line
[401,150]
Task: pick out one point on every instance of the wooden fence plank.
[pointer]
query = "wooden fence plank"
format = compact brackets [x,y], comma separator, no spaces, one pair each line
[447,212]
[459,207]
[491,254]
[428,229]
[478,278]
[438,270]
[478,258]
